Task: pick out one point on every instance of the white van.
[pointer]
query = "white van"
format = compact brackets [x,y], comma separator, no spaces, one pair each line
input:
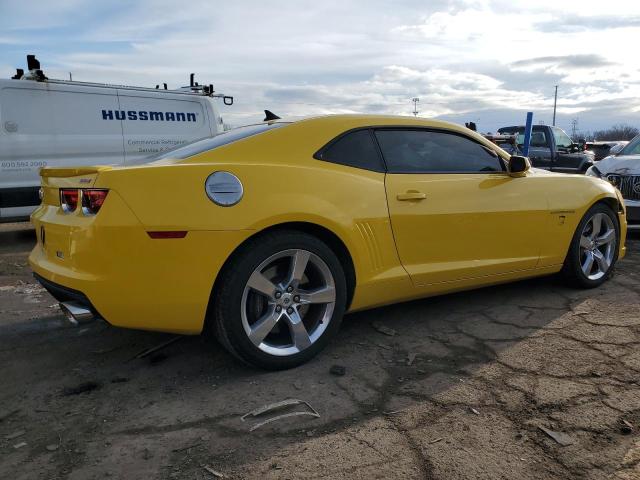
[60,123]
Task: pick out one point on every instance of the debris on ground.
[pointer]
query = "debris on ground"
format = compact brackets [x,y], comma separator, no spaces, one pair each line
[282,405]
[7,288]
[20,445]
[213,472]
[382,345]
[297,385]
[383,329]
[626,427]
[474,411]
[436,440]
[160,346]
[189,447]
[410,358]
[338,370]
[17,434]
[84,387]
[53,447]
[560,437]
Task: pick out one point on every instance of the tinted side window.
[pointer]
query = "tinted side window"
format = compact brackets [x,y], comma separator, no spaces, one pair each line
[355,149]
[424,151]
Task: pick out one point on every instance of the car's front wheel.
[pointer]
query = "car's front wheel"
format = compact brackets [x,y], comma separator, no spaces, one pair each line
[594,248]
[279,300]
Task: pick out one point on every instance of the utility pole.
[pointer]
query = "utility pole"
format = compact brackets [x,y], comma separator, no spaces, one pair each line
[555,103]
[574,128]
[415,101]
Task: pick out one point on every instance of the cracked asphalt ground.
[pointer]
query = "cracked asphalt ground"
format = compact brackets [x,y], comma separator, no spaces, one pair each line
[459,392]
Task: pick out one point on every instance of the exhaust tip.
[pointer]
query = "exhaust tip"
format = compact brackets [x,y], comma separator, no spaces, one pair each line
[76,313]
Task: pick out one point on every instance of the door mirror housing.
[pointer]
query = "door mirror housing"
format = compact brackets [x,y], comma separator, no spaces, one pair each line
[518,165]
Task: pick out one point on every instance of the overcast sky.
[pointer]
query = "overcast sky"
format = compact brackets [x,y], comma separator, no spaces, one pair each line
[486,61]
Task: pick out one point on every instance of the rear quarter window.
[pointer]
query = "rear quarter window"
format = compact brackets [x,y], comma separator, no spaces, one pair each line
[354,149]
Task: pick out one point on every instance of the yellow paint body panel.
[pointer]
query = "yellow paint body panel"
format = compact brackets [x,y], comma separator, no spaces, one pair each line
[471,230]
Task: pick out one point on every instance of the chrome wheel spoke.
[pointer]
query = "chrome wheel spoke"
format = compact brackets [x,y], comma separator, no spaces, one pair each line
[588,263]
[299,262]
[596,223]
[299,333]
[260,283]
[585,242]
[321,295]
[264,326]
[601,260]
[608,237]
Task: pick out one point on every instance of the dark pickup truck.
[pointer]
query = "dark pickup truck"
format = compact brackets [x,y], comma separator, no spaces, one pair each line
[550,148]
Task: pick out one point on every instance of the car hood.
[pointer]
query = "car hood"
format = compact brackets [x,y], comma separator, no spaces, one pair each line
[621,164]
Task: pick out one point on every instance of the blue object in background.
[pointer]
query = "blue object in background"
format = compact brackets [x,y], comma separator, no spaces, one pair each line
[527,134]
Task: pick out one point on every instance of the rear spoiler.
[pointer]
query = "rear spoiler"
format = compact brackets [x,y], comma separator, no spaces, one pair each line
[71,171]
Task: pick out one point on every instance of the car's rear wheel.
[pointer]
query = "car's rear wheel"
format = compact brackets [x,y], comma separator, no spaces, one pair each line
[279,300]
[594,248]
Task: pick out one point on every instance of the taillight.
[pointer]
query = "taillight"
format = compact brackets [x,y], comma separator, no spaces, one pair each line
[92,200]
[69,199]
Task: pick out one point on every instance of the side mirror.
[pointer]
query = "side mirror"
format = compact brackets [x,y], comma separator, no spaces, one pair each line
[518,166]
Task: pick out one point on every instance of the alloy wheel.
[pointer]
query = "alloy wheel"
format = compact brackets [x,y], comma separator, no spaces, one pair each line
[597,246]
[288,302]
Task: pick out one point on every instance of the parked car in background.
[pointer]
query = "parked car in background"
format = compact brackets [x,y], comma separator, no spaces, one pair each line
[265,235]
[605,148]
[55,123]
[552,149]
[623,171]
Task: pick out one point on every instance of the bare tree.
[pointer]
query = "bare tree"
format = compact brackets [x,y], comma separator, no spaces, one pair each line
[617,132]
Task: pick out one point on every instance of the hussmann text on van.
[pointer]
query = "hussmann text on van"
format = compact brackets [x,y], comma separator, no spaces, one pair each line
[152,116]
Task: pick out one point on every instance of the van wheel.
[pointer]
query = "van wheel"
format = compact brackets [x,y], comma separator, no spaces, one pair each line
[594,248]
[280,300]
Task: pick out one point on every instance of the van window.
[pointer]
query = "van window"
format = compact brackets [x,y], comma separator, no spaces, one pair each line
[219,140]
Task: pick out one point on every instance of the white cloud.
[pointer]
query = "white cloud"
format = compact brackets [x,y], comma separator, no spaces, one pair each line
[477,59]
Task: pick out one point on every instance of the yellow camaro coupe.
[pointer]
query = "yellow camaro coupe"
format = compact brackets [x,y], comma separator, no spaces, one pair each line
[266,235]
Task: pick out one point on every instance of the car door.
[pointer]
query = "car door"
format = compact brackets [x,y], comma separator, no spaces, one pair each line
[540,148]
[455,212]
[567,160]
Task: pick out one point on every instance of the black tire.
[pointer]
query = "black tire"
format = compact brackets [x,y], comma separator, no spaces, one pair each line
[225,318]
[572,268]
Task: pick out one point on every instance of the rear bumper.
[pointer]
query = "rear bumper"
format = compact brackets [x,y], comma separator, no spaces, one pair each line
[109,264]
[66,294]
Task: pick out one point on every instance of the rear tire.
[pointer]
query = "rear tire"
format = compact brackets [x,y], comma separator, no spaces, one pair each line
[279,300]
[593,252]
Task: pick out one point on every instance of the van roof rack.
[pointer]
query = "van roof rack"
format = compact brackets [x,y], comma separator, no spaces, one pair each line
[36,74]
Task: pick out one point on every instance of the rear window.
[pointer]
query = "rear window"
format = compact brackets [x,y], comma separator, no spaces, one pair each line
[210,143]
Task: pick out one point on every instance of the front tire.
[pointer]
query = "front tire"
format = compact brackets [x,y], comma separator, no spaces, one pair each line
[279,300]
[593,252]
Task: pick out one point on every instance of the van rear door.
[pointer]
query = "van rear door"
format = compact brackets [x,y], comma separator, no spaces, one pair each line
[156,122]
[52,125]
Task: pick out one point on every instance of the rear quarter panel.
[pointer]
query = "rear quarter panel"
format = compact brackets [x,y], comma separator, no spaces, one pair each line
[282,183]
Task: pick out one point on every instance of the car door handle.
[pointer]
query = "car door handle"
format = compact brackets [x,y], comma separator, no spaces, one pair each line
[411,195]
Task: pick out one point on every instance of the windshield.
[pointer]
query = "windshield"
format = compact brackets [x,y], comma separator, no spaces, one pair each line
[210,143]
[632,148]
